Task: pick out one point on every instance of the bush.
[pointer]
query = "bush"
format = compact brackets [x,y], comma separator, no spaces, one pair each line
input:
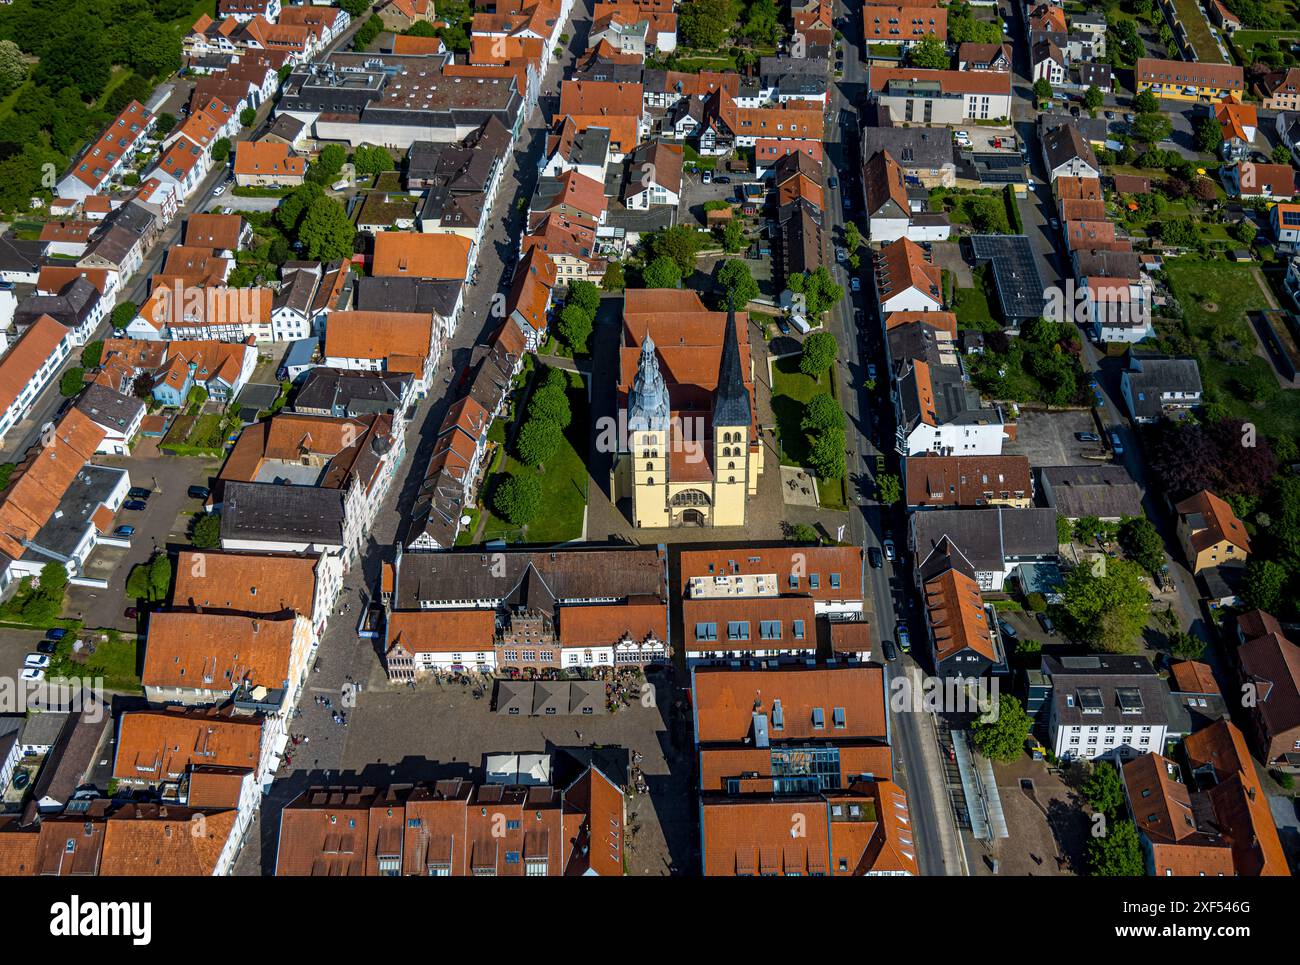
[92,355]
[72,382]
[538,442]
[207,530]
[1037,602]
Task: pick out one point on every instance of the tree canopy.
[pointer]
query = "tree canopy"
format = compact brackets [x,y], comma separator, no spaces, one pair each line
[1001,736]
[1106,610]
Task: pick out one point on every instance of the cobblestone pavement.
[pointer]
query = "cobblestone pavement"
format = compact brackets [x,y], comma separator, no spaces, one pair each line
[344,657]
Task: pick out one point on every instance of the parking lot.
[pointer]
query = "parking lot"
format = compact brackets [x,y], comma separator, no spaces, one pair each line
[1048,438]
[164,523]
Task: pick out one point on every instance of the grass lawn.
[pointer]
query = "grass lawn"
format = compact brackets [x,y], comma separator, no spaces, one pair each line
[116,660]
[973,308]
[564,483]
[1215,297]
[791,393]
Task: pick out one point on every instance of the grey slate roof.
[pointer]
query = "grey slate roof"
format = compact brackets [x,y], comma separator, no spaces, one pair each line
[406,295]
[989,537]
[1106,491]
[914,147]
[108,408]
[1113,677]
[71,306]
[342,392]
[293,514]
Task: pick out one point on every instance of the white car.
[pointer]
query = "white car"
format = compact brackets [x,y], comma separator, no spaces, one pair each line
[34,674]
[221,189]
[37,660]
[841,255]
[889,550]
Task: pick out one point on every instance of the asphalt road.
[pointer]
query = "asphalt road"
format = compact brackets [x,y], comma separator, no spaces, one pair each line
[871,428]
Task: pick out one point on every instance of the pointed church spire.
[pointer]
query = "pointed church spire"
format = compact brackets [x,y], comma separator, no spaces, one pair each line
[731,398]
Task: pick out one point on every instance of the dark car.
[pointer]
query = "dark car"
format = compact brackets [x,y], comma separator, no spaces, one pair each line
[131,613]
[56,633]
[139,492]
[888,646]
[124,532]
[1046,623]
[1007,629]
[877,558]
[832,182]
[1087,437]
[46,646]
[783,325]
[198,492]
[721,179]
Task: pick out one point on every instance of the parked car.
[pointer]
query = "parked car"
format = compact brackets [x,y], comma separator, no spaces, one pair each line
[783,325]
[871,370]
[1087,437]
[131,613]
[221,189]
[46,646]
[1098,399]
[138,492]
[135,505]
[40,660]
[1110,115]
[722,179]
[877,560]
[833,181]
[887,645]
[56,633]
[880,462]
[1054,223]
[1046,623]
[848,203]
[198,492]
[888,546]
[904,639]
[706,177]
[1007,629]
[841,255]
[1116,443]
[33,673]
[855,284]
[859,318]
[124,532]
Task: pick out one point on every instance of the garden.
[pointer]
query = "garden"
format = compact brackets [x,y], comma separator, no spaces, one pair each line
[810,421]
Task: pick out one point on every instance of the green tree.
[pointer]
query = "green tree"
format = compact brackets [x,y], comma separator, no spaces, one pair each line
[1281,154]
[538,442]
[1064,529]
[77,57]
[1093,98]
[518,498]
[733,236]
[153,50]
[1209,135]
[247,116]
[1107,611]
[801,533]
[164,124]
[325,232]
[826,454]
[822,413]
[1146,103]
[1179,232]
[355,8]
[1103,789]
[123,313]
[1263,585]
[584,294]
[705,24]
[550,404]
[72,382]
[1140,539]
[13,69]
[1185,646]
[680,243]
[328,165]
[1117,852]
[662,273]
[852,236]
[889,489]
[367,33]
[207,531]
[819,353]
[931,53]
[1152,128]
[1000,736]
[221,149]
[293,206]
[738,282]
[370,160]
[1042,90]
[613,280]
[574,327]
[92,354]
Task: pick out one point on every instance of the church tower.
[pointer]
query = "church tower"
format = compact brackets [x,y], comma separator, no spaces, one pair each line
[731,425]
[648,419]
